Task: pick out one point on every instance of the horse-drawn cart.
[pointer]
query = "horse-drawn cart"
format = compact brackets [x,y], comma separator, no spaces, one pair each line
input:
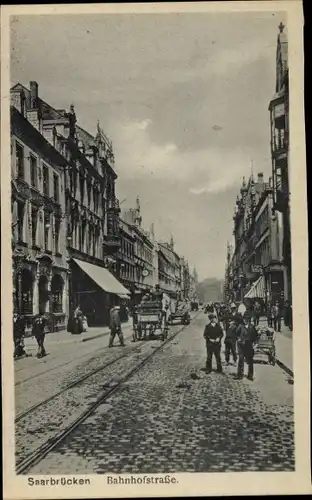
[150,320]
[180,314]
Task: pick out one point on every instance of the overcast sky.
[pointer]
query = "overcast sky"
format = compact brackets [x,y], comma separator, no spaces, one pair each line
[183,97]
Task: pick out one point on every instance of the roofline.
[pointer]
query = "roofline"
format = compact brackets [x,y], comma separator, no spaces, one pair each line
[50,147]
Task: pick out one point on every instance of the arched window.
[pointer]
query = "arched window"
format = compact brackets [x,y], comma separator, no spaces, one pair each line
[57,287]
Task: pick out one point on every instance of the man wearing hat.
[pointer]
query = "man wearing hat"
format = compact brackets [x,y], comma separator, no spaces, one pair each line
[246,337]
[213,334]
[115,326]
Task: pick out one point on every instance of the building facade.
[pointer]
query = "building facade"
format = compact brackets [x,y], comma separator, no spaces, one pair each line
[256,268]
[91,206]
[169,270]
[126,264]
[144,275]
[40,266]
[279,120]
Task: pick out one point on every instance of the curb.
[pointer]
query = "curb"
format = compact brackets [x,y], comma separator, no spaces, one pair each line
[285,368]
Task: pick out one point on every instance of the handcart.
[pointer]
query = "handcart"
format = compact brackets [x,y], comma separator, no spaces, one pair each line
[265,343]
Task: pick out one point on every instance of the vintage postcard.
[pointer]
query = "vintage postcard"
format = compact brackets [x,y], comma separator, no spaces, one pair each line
[155,332]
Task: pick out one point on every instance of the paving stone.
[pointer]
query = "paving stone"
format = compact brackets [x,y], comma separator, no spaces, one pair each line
[217,424]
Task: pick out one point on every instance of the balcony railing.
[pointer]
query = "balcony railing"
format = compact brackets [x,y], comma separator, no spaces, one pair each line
[279,142]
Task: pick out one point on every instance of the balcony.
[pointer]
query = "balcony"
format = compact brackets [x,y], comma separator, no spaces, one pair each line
[279,142]
[112,241]
[113,205]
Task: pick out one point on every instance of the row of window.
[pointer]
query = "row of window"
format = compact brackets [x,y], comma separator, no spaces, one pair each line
[263,253]
[128,272]
[144,253]
[49,222]
[87,239]
[262,222]
[127,248]
[35,173]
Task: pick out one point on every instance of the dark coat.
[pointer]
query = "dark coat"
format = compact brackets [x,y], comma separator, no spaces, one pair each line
[115,322]
[213,332]
[19,326]
[39,323]
[246,335]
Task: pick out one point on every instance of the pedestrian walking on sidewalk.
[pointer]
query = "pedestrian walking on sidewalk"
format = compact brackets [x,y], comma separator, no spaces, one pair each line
[230,342]
[277,319]
[39,323]
[257,312]
[115,326]
[246,336]
[19,325]
[213,334]
[77,326]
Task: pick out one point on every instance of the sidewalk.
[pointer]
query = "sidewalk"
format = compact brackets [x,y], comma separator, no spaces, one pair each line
[64,337]
[284,348]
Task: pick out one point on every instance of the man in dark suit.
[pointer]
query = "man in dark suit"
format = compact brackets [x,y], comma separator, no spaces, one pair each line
[39,323]
[246,337]
[213,334]
[115,326]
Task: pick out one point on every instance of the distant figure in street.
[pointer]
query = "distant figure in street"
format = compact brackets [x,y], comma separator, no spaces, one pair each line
[246,336]
[270,315]
[146,297]
[77,325]
[84,323]
[242,309]
[39,323]
[213,334]
[257,313]
[157,294]
[19,325]
[115,326]
[286,313]
[276,313]
[230,341]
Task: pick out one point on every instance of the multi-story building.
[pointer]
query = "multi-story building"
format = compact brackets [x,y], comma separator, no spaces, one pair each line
[169,268]
[279,119]
[144,250]
[92,209]
[126,265]
[40,267]
[256,269]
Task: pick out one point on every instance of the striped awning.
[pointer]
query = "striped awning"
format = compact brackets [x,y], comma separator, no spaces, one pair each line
[257,290]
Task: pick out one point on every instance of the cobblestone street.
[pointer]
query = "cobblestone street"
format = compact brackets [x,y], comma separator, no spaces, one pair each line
[168,417]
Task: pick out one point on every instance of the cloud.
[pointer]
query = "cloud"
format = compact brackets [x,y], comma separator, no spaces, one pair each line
[206,170]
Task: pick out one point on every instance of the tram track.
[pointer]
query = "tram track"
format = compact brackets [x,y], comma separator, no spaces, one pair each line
[42,451]
[60,365]
[75,383]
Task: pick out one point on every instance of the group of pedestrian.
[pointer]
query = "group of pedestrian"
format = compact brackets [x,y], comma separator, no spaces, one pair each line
[38,331]
[275,316]
[240,337]
[77,322]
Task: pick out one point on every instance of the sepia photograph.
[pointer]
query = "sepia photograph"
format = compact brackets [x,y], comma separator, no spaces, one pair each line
[150,235]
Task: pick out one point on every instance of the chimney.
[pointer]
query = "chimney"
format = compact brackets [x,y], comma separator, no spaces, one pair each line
[33,111]
[33,95]
[260,178]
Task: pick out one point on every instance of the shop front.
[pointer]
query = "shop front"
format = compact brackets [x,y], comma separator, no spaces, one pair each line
[96,290]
